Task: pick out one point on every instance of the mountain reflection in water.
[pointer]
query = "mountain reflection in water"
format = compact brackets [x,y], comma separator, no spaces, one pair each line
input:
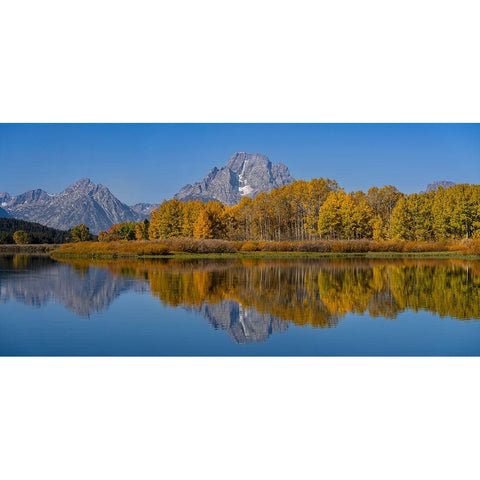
[252,298]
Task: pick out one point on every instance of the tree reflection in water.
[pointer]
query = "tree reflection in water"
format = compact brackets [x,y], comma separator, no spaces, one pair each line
[251,298]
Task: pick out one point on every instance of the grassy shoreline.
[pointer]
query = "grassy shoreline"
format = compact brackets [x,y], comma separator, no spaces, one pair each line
[215,249]
[277,255]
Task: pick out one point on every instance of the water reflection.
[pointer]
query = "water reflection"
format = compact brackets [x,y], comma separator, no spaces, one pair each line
[243,325]
[37,281]
[251,299]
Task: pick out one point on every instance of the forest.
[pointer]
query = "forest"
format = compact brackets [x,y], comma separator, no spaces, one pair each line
[34,233]
[317,210]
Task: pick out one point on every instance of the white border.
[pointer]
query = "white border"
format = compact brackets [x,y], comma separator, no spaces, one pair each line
[239,418]
[258,61]
[253,61]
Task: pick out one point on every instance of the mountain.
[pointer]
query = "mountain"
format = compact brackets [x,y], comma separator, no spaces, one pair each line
[144,209]
[439,183]
[82,202]
[4,198]
[245,175]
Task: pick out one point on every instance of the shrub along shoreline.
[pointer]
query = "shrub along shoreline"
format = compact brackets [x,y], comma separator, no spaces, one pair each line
[189,246]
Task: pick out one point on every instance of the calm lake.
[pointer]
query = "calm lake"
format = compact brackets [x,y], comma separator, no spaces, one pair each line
[239,307]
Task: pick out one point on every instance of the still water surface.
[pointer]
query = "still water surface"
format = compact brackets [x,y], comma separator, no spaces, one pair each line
[239,307]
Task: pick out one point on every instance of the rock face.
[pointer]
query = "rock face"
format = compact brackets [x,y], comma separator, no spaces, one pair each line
[245,175]
[4,198]
[144,209]
[82,202]
[439,183]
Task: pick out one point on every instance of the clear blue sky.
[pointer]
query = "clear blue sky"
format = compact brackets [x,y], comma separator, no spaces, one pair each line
[149,162]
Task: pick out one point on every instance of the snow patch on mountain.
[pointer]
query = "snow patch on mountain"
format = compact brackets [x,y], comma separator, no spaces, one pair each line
[243,187]
[245,175]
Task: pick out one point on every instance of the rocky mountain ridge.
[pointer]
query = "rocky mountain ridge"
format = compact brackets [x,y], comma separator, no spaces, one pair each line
[144,209]
[94,205]
[244,175]
[82,202]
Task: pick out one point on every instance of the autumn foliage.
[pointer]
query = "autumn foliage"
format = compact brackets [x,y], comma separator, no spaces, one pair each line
[112,249]
[20,237]
[316,216]
[319,209]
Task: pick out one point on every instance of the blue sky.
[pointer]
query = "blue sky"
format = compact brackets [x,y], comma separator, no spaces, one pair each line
[150,162]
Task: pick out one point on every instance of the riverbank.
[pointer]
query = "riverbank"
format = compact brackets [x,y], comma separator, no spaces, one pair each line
[39,249]
[188,248]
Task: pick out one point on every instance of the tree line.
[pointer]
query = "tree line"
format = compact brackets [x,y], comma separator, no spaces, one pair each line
[17,231]
[317,209]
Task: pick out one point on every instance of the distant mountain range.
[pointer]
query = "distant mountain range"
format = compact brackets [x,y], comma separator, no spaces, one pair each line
[439,183]
[144,209]
[245,175]
[82,202]
[94,205]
